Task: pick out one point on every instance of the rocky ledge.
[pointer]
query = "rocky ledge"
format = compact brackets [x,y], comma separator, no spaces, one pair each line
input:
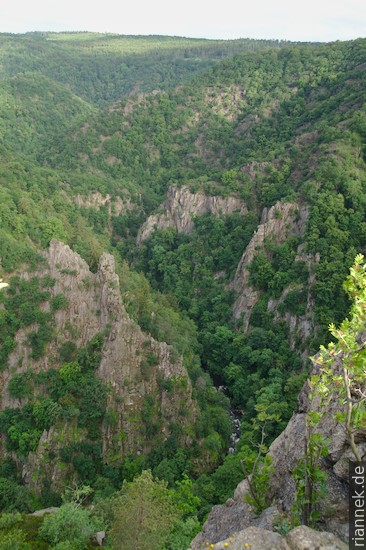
[256,538]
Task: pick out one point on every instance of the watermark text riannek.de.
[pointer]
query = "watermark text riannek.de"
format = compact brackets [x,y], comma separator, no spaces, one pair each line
[357,499]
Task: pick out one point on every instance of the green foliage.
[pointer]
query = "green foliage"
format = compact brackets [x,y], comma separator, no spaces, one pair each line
[86,459]
[9,520]
[276,268]
[70,373]
[20,532]
[257,495]
[14,497]
[185,267]
[342,376]
[89,357]
[52,229]
[310,481]
[262,467]
[342,363]
[67,352]
[59,302]
[45,413]
[15,540]
[70,524]
[220,485]
[183,534]
[102,68]
[261,272]
[20,385]
[144,516]
[71,391]
[22,305]
[186,502]
[283,525]
[156,313]
[21,430]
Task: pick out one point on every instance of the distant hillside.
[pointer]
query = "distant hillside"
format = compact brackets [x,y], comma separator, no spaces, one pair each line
[102,68]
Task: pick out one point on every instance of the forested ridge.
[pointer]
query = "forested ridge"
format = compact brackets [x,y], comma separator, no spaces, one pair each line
[96,132]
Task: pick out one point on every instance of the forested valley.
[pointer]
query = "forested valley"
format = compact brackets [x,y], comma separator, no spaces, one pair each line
[177,219]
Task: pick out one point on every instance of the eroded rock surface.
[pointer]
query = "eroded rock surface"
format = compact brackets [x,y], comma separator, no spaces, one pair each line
[133,367]
[116,206]
[234,516]
[181,206]
[277,224]
[257,538]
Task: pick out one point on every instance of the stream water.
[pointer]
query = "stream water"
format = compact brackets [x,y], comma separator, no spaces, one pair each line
[235,423]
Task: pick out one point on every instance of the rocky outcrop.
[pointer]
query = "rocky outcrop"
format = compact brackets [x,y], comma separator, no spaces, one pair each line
[181,206]
[256,538]
[116,206]
[288,448]
[124,369]
[277,224]
[133,367]
[233,517]
[304,538]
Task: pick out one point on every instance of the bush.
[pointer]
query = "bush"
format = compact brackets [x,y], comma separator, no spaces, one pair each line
[14,497]
[9,520]
[15,540]
[20,385]
[59,302]
[70,525]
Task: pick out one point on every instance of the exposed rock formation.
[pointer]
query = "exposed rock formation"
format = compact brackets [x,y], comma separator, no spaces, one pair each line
[277,224]
[233,517]
[257,538]
[133,366]
[181,206]
[96,200]
[300,538]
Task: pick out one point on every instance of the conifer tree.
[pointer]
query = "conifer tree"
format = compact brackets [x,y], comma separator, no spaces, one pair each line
[144,516]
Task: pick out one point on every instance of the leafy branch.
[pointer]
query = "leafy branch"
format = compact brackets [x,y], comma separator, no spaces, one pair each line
[343,362]
[262,467]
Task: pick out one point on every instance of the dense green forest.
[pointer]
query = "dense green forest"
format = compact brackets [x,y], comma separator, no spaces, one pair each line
[95,131]
[103,68]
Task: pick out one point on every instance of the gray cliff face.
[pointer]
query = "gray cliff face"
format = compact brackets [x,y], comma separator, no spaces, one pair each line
[277,224]
[181,206]
[95,307]
[96,200]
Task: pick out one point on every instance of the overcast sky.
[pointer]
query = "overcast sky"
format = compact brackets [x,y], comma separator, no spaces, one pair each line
[313,20]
